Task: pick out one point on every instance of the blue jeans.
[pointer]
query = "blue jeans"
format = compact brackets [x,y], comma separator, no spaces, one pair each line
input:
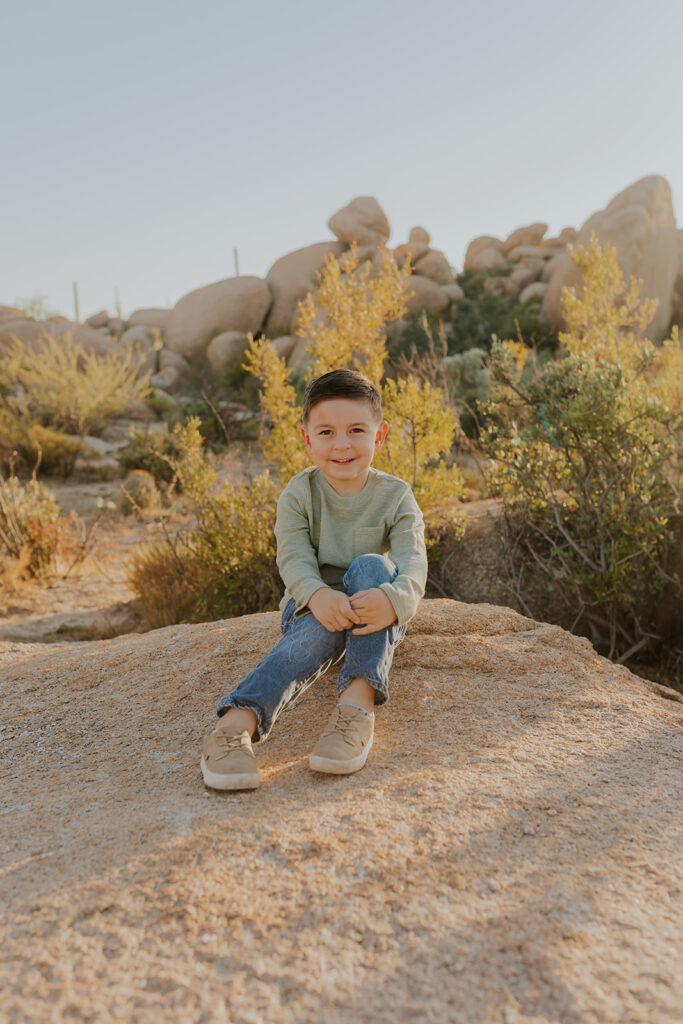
[307,650]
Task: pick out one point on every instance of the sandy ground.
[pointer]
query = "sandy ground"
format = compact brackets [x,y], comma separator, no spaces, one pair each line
[511,852]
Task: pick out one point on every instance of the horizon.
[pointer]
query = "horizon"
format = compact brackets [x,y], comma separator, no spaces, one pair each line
[166,143]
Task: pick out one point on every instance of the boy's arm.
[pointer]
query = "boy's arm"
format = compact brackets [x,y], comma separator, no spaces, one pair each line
[296,558]
[409,555]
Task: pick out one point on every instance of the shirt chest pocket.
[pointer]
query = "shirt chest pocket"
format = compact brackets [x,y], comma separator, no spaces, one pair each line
[370,540]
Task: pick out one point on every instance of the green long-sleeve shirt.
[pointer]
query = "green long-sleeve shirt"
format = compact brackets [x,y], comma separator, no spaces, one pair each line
[320,532]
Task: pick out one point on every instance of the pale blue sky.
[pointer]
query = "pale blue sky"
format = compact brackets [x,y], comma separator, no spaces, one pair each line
[142,141]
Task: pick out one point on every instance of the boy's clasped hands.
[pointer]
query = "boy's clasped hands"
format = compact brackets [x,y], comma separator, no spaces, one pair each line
[367,610]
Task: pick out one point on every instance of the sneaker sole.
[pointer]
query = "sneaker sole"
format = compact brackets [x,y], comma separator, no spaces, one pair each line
[215,781]
[329,767]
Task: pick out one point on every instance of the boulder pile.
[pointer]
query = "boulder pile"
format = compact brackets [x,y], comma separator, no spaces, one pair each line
[210,325]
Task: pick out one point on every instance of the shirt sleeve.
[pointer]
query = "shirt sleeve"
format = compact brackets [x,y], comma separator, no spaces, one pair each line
[297,561]
[408,553]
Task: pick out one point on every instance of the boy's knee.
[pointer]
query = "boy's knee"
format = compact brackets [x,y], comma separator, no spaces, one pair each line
[368,571]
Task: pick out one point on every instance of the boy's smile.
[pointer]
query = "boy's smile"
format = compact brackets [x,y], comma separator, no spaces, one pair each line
[341,436]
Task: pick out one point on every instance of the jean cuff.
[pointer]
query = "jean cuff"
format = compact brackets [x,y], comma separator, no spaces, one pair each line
[380,688]
[245,705]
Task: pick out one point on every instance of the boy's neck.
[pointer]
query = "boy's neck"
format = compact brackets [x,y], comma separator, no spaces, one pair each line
[354,487]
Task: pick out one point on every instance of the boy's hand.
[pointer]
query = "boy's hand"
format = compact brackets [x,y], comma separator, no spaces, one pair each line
[333,610]
[374,610]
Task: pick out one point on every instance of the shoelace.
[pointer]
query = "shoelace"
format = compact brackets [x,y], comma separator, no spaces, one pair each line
[232,742]
[342,726]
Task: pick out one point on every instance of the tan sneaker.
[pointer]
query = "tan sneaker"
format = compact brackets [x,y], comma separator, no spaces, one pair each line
[344,746]
[228,761]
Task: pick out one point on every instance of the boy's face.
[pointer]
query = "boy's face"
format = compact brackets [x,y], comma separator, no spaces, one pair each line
[342,436]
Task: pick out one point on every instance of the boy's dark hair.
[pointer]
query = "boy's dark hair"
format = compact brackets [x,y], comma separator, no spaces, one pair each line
[342,384]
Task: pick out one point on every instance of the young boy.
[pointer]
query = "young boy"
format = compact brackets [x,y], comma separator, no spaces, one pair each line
[351,553]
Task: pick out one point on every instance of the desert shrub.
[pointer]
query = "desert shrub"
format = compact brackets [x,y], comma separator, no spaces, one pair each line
[442,535]
[26,446]
[585,454]
[475,320]
[62,386]
[139,493]
[345,323]
[468,376]
[34,531]
[481,314]
[166,580]
[151,450]
[413,333]
[422,428]
[344,320]
[223,566]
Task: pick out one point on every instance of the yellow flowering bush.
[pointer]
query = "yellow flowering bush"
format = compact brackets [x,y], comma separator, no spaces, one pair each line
[344,323]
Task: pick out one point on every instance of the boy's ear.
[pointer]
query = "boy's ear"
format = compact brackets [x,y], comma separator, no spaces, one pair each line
[381,434]
[305,438]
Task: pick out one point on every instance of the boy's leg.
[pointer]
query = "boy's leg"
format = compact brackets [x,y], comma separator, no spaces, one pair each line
[345,745]
[305,651]
[369,657]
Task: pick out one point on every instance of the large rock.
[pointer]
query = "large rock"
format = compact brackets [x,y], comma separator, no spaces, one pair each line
[363,221]
[169,379]
[414,250]
[436,267]
[9,313]
[419,236]
[526,272]
[535,290]
[234,304]
[160,360]
[100,319]
[640,223]
[550,266]
[298,352]
[507,855]
[530,235]
[535,252]
[284,345]
[425,294]
[292,277]
[168,358]
[416,247]
[483,253]
[157,318]
[453,293]
[140,339]
[225,350]
[567,236]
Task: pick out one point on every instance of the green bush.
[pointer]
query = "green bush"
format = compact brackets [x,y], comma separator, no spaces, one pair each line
[151,450]
[582,456]
[474,321]
[481,314]
[468,378]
